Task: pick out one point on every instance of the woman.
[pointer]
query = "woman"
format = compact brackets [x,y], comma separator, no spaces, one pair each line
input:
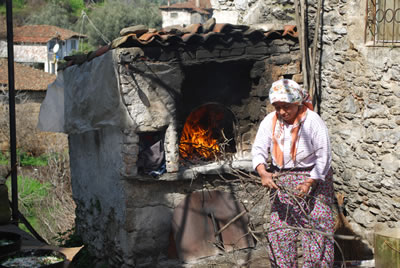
[298,142]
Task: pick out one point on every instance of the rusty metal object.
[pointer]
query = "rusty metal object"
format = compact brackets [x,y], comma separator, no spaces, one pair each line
[197,222]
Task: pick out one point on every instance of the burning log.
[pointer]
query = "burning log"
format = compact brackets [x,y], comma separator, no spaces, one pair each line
[204,131]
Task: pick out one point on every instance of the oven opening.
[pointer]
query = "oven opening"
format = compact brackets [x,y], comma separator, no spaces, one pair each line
[208,134]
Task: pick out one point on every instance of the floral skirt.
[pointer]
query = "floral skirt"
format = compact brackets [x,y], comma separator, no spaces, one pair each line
[291,217]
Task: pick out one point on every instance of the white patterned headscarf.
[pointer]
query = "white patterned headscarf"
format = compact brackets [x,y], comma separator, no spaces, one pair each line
[286,90]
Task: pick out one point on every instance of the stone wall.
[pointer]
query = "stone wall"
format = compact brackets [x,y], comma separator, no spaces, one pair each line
[263,13]
[360,96]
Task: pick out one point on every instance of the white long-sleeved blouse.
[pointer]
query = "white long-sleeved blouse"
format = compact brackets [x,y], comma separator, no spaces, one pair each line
[313,145]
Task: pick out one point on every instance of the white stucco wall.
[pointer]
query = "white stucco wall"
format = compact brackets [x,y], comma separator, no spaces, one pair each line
[30,53]
[226,16]
[182,18]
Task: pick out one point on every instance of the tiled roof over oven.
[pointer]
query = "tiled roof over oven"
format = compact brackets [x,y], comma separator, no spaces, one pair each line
[26,78]
[203,8]
[208,34]
[42,33]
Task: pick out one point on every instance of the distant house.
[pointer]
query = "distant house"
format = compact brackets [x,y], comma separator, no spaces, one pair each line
[190,12]
[30,83]
[42,44]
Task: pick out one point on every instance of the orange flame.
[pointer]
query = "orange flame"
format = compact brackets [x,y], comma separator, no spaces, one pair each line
[198,137]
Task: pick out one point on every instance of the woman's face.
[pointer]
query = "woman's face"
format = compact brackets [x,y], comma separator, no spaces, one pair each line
[287,111]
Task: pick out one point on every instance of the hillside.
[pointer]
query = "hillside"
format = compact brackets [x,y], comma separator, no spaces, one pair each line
[86,16]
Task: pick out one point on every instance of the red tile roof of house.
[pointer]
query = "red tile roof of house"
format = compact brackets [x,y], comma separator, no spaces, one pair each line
[204,6]
[42,33]
[26,78]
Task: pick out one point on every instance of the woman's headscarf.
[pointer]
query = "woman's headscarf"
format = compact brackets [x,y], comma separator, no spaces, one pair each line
[286,90]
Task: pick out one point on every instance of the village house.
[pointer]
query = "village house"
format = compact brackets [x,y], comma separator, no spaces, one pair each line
[42,45]
[30,83]
[30,90]
[186,13]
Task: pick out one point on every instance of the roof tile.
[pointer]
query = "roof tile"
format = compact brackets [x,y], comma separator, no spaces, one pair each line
[26,78]
[208,33]
[203,8]
[42,33]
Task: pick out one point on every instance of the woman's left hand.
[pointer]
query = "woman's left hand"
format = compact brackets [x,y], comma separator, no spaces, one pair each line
[304,187]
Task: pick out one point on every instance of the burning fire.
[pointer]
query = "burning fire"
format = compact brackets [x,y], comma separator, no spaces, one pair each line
[200,133]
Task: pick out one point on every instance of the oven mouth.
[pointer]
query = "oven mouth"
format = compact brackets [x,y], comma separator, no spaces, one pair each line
[208,134]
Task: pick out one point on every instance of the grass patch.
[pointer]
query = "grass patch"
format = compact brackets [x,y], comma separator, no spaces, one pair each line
[25,159]
[31,193]
[3,159]
[29,160]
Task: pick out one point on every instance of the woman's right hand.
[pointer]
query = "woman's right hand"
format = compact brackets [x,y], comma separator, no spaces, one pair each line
[266,177]
[267,181]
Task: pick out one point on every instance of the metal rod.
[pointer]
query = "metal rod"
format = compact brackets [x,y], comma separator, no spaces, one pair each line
[11,101]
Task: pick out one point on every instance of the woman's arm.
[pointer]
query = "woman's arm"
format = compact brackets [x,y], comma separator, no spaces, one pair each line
[322,149]
[262,143]
[260,150]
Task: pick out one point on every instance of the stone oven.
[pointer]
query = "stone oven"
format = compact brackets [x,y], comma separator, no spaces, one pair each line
[158,115]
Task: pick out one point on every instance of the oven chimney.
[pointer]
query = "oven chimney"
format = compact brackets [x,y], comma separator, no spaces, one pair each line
[197,3]
[169,2]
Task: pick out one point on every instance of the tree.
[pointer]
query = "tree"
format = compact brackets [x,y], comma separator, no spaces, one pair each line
[52,14]
[107,20]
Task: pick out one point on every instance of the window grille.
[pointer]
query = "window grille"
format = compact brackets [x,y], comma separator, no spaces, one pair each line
[382,27]
[174,14]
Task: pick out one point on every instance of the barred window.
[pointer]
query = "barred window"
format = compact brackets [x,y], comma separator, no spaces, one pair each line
[383,22]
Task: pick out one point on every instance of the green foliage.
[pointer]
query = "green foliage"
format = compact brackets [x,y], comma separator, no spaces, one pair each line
[76,6]
[52,14]
[29,160]
[4,158]
[31,193]
[69,238]
[17,5]
[114,15]
[24,159]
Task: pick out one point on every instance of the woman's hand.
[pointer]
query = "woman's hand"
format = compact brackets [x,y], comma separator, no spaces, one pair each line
[266,177]
[304,187]
[267,181]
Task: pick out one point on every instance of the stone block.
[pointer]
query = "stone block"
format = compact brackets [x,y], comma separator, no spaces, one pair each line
[188,56]
[390,164]
[129,168]
[257,69]
[281,60]
[167,55]
[261,50]
[364,218]
[130,137]
[172,166]
[204,54]
[237,51]
[298,78]
[131,149]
